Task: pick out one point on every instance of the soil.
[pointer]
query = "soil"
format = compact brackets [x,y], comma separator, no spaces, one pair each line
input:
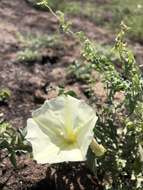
[32,84]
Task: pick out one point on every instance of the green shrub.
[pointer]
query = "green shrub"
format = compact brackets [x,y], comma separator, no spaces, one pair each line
[120,124]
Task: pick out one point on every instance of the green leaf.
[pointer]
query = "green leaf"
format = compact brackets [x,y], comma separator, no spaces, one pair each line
[13,159]
[71,93]
[91,161]
[4,144]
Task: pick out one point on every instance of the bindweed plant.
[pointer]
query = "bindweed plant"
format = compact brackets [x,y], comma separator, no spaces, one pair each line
[119,127]
[62,129]
[120,124]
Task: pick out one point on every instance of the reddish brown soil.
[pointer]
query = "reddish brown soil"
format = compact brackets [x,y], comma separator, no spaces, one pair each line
[28,82]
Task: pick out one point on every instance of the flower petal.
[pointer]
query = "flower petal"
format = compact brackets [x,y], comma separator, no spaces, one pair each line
[48,116]
[86,120]
[73,154]
[43,150]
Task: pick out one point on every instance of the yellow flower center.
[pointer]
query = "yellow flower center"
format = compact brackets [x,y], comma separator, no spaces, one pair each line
[69,137]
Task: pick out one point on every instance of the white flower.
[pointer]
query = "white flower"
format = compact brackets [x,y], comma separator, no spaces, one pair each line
[61,130]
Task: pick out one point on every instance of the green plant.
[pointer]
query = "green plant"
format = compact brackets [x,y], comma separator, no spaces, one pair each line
[4,94]
[119,126]
[28,55]
[33,41]
[13,141]
[33,45]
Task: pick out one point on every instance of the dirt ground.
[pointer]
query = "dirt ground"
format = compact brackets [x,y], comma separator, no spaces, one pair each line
[28,83]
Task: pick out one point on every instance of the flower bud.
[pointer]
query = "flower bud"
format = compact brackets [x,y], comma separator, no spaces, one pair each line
[97,149]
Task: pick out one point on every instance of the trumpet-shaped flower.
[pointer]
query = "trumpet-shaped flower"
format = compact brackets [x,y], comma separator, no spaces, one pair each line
[61,130]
